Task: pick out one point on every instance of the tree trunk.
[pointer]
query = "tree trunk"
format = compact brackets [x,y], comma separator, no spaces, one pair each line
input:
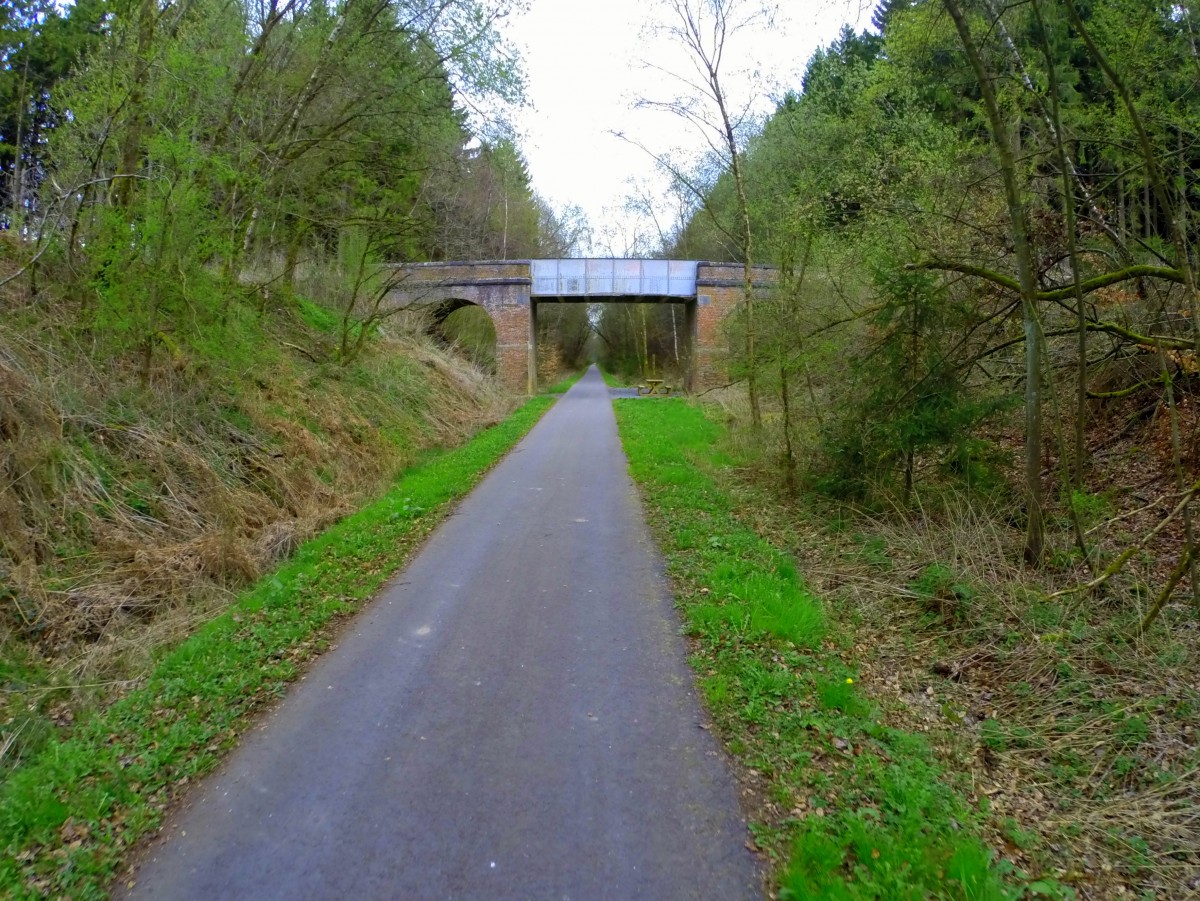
[1005,141]
[1069,182]
[131,141]
[789,459]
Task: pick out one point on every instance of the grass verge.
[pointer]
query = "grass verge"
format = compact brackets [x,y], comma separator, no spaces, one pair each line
[611,379]
[847,806]
[68,816]
[564,385]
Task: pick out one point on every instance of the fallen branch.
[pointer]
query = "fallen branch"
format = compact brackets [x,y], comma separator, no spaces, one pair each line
[303,352]
[1117,565]
[1126,515]
[718,387]
[1123,392]
[1112,278]
[1109,328]
[1181,568]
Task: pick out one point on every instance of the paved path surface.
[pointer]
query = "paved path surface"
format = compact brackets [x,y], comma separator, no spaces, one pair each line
[512,718]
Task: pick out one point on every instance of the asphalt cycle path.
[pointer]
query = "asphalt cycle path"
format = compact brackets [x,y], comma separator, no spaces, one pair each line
[512,718]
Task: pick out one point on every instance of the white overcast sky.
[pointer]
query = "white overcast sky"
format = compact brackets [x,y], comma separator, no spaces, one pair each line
[584,64]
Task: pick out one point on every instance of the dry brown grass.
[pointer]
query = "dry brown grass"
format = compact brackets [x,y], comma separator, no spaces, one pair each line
[130,513]
[1075,735]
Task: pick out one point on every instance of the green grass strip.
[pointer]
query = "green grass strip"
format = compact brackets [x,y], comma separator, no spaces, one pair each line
[619,380]
[565,385]
[67,817]
[865,812]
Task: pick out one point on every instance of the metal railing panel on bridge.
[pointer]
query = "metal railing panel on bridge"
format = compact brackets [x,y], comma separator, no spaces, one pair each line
[613,278]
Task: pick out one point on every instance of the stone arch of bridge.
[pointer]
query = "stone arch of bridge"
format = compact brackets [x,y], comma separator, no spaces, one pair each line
[441,310]
[465,324]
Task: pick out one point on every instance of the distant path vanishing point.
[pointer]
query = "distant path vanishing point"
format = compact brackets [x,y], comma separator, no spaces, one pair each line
[512,718]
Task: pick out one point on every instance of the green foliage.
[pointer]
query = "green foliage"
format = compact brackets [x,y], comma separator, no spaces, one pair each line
[187,195]
[471,329]
[316,317]
[940,582]
[876,191]
[874,552]
[891,851]
[565,332]
[835,74]
[40,42]
[1132,730]
[911,397]
[836,693]
[640,341]
[565,385]
[1091,509]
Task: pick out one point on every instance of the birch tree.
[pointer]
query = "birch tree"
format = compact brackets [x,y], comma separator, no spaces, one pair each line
[706,30]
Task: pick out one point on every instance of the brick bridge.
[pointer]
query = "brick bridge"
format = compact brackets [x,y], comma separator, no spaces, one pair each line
[511,291]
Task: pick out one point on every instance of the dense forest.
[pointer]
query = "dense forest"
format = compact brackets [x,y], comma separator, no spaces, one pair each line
[986,199]
[252,147]
[978,377]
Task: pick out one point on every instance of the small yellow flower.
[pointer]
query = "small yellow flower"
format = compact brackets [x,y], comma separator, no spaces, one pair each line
[849,681]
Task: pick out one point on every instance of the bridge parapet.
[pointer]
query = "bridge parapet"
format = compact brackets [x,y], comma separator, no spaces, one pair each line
[489,284]
[609,278]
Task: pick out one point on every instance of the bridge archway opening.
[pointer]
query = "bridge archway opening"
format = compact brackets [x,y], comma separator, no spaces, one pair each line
[644,338]
[563,339]
[467,328]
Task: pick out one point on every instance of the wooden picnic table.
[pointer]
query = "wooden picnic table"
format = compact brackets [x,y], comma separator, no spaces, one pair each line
[654,387]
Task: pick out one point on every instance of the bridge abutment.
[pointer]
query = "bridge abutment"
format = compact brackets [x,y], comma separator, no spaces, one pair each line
[516,346]
[719,291]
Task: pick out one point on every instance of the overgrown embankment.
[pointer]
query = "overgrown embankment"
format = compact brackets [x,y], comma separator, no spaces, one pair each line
[846,804]
[136,505]
[988,698]
[70,812]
